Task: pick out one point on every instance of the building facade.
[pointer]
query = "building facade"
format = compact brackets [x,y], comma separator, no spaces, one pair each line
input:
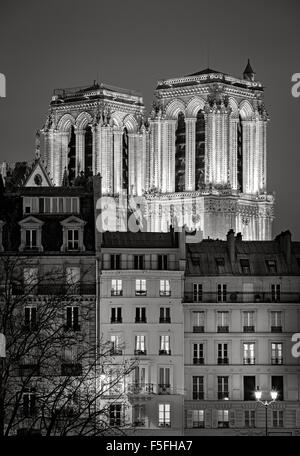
[199,159]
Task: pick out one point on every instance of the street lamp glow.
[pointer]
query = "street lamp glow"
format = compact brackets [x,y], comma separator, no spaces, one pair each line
[258,394]
[274,395]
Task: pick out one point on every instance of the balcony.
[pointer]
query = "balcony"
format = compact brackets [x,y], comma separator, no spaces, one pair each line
[198,395]
[116,352]
[198,361]
[140,292]
[164,352]
[116,292]
[240,296]
[116,320]
[140,352]
[165,293]
[140,388]
[164,319]
[222,395]
[222,360]
[223,329]
[164,388]
[248,329]
[277,361]
[247,360]
[276,329]
[198,329]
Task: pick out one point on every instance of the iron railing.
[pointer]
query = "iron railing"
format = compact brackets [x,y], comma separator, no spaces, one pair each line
[240,296]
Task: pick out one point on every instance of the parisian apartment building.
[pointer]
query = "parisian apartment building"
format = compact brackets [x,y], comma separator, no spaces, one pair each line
[204,302]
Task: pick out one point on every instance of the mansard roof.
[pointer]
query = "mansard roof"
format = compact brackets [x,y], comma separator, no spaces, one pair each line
[139,240]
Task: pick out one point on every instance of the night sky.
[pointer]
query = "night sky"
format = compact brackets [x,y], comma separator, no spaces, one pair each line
[132,44]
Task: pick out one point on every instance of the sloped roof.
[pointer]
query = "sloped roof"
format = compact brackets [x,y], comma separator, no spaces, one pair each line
[140,240]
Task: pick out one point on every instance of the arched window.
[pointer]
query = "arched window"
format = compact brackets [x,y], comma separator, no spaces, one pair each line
[240,154]
[180,154]
[72,155]
[200,151]
[125,160]
[88,151]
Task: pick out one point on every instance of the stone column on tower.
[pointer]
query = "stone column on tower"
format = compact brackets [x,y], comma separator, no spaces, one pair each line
[190,125]
[210,144]
[232,164]
[118,168]
[80,137]
[171,129]
[64,152]
[155,152]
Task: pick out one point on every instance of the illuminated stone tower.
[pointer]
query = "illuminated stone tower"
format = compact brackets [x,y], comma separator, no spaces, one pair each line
[199,159]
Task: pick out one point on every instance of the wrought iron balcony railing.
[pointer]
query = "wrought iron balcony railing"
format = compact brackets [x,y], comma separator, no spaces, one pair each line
[248,329]
[277,360]
[223,360]
[198,329]
[58,289]
[140,388]
[247,360]
[240,296]
[198,361]
[164,319]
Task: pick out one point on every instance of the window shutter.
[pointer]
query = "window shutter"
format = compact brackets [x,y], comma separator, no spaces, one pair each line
[75,315]
[189,418]
[231,418]
[69,316]
[214,418]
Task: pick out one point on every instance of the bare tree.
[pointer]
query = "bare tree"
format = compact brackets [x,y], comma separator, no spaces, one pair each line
[56,378]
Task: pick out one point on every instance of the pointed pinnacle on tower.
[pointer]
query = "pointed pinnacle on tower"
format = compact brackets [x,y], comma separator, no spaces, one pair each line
[249,74]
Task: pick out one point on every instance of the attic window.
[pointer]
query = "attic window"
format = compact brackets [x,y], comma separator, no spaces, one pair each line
[271,265]
[220,262]
[245,266]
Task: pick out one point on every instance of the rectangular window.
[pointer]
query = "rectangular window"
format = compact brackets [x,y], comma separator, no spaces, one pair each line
[73,239]
[197,290]
[115,261]
[75,205]
[164,315]
[277,418]
[116,287]
[271,266]
[223,418]
[162,262]
[54,205]
[223,392]
[198,388]
[61,205]
[198,354]
[220,263]
[222,353]
[47,205]
[198,418]
[276,321]
[164,345]
[138,261]
[140,287]
[164,415]
[245,266]
[249,387]
[30,318]
[248,321]
[276,356]
[164,288]
[164,380]
[139,415]
[140,345]
[30,239]
[115,345]
[29,404]
[115,415]
[198,321]
[275,292]
[277,385]
[249,418]
[248,353]
[222,292]
[41,205]
[72,318]
[140,315]
[222,321]
[68,204]
[116,315]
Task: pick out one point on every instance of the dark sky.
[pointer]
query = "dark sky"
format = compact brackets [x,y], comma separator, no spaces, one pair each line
[132,44]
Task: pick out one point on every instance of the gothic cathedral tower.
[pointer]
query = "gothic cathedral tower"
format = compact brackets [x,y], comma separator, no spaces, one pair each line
[199,160]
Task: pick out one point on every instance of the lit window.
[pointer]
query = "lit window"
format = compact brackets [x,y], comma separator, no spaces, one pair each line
[164,419]
[164,288]
[223,418]
[248,321]
[140,345]
[72,318]
[115,341]
[276,321]
[249,353]
[140,287]
[198,321]
[276,357]
[116,287]
[164,345]
[223,321]
[198,419]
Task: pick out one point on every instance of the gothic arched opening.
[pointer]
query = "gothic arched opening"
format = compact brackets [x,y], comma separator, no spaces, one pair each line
[88,151]
[125,149]
[180,154]
[240,154]
[72,155]
[200,151]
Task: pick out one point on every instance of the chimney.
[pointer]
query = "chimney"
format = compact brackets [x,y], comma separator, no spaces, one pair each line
[231,246]
[284,239]
[239,237]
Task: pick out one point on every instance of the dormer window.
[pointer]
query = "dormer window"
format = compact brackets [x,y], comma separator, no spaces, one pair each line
[73,229]
[272,267]
[245,266]
[220,263]
[31,234]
